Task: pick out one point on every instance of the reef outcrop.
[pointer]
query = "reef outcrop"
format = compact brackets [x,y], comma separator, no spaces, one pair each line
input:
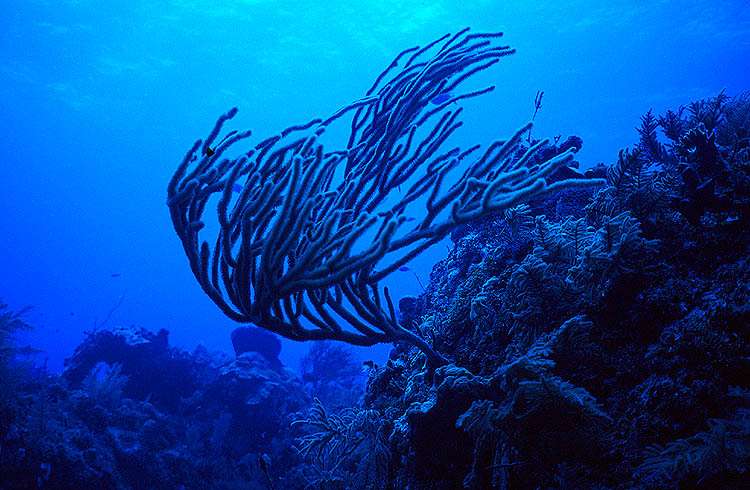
[594,338]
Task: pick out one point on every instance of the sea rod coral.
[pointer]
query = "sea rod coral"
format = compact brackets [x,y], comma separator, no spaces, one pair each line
[304,234]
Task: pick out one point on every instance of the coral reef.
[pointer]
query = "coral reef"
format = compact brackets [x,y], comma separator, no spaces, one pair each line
[129,411]
[302,248]
[332,375]
[11,367]
[594,338]
[603,348]
[253,339]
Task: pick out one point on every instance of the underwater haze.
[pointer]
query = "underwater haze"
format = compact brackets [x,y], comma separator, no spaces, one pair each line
[101,101]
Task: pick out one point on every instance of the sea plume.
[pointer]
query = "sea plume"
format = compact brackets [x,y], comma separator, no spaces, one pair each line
[301,249]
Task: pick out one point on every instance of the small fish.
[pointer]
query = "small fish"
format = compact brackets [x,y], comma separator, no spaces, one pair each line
[403,268]
[237,188]
[115,274]
[209,151]
[409,219]
[441,98]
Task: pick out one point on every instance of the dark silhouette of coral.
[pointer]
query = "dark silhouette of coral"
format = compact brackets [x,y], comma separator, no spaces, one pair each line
[602,350]
[303,246]
[605,347]
[254,339]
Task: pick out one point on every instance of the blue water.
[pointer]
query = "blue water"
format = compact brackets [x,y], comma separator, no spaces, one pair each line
[100,100]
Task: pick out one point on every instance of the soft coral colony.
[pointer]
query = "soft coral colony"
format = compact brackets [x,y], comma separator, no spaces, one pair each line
[575,312]
[303,248]
[584,331]
[597,339]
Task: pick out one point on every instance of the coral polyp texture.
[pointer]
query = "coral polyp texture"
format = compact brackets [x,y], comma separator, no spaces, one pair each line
[303,234]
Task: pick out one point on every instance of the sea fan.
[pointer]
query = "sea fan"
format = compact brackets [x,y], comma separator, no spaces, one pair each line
[350,445]
[722,453]
[104,384]
[617,247]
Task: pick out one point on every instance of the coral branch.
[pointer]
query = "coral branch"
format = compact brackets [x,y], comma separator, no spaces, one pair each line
[301,248]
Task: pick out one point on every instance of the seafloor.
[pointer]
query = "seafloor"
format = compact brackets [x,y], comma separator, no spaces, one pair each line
[596,339]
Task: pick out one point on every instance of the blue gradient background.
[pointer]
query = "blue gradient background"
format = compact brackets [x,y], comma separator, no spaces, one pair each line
[100,100]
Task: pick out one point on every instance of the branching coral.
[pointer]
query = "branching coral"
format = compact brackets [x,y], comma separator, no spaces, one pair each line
[11,323]
[302,248]
[520,429]
[350,446]
[711,458]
